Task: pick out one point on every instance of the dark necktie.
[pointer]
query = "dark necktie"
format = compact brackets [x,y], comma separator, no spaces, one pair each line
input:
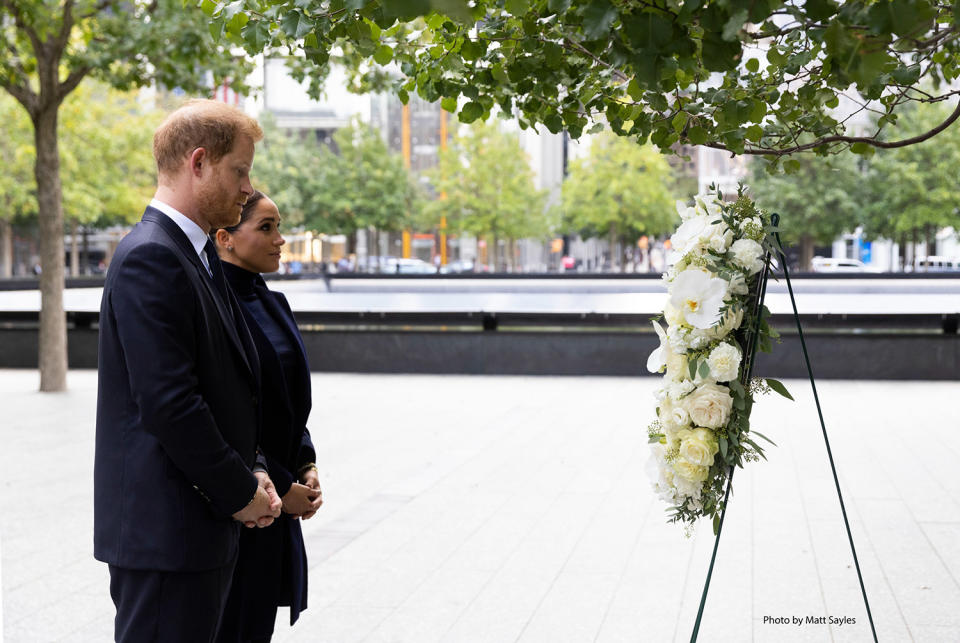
[216,270]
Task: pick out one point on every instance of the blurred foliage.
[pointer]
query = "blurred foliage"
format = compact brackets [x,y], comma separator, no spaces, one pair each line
[620,190]
[106,162]
[359,184]
[486,187]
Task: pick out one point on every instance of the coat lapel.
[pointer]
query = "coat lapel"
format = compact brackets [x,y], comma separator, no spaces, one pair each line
[234,328]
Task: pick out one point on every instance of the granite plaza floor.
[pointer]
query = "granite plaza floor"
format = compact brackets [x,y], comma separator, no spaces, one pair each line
[501,509]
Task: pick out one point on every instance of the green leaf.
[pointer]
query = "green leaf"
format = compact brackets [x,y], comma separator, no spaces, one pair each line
[459,10]
[704,370]
[693,369]
[449,104]
[517,7]
[716,524]
[697,135]
[753,65]
[597,19]
[216,30]
[723,446]
[778,386]
[471,112]
[383,55]
[295,24]
[754,431]
[754,133]
[679,121]
[558,6]
[257,35]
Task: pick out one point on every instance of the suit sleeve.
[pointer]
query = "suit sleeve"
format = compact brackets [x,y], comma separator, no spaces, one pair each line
[158,335]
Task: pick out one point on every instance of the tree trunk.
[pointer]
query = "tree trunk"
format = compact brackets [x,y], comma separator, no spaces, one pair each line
[931,239]
[493,248]
[623,255]
[6,248]
[612,242]
[903,252]
[74,248]
[915,242]
[806,253]
[53,322]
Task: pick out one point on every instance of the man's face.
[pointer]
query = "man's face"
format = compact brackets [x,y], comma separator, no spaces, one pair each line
[225,185]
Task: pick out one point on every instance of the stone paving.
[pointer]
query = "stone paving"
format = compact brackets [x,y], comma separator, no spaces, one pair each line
[502,509]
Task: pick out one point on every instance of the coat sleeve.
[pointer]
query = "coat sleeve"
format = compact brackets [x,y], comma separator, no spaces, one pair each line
[307,453]
[158,336]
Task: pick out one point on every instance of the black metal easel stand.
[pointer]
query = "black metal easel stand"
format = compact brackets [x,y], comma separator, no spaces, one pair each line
[752,338]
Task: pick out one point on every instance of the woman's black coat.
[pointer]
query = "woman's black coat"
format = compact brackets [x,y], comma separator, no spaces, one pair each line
[272,564]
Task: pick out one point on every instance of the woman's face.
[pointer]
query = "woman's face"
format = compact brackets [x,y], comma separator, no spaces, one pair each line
[255,245]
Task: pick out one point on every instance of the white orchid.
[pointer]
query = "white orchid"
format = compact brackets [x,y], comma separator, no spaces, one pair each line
[658,358]
[699,296]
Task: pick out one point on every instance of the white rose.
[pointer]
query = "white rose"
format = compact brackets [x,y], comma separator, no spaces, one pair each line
[724,362]
[720,238]
[709,406]
[748,254]
[679,388]
[731,322]
[737,286]
[690,472]
[698,446]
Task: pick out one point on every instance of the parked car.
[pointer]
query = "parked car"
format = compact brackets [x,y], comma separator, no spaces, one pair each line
[838,264]
[458,266]
[411,267]
[937,264]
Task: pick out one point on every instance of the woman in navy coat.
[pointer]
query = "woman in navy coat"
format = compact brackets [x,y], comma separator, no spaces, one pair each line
[272,564]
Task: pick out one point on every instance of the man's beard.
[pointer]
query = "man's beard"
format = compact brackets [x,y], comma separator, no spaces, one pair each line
[217,207]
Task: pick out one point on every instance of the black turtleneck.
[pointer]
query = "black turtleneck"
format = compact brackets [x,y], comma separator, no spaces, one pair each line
[250,290]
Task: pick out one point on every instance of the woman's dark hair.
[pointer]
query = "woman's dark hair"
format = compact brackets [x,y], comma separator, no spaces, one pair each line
[245,213]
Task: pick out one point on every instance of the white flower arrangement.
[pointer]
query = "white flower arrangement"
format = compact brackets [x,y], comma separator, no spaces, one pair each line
[702,428]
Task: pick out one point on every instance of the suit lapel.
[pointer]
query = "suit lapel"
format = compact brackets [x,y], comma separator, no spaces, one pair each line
[244,346]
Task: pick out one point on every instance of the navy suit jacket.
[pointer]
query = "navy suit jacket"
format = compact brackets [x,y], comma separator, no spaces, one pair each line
[272,567]
[177,408]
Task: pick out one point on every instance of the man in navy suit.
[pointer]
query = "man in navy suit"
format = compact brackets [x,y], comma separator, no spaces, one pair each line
[176,470]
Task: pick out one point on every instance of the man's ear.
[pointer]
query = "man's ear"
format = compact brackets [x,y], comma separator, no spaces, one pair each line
[223,238]
[197,159]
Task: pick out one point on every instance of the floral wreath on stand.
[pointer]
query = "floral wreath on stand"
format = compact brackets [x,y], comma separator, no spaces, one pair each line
[702,429]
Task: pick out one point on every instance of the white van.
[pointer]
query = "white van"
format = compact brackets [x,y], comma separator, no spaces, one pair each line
[837,264]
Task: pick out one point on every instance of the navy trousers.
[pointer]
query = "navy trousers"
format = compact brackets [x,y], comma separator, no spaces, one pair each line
[168,607]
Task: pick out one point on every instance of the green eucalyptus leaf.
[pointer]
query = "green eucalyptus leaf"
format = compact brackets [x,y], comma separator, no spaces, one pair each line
[778,386]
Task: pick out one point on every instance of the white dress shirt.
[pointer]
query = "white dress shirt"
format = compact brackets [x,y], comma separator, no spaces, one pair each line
[196,235]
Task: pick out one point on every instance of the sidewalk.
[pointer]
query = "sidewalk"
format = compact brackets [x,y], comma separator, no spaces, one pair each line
[501,509]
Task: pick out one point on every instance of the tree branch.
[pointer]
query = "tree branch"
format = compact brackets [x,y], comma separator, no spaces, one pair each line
[23,94]
[850,140]
[71,81]
[21,24]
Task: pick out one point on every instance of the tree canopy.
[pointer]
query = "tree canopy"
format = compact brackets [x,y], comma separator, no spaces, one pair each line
[355,184]
[819,200]
[49,49]
[487,188]
[749,77]
[621,191]
[914,190]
